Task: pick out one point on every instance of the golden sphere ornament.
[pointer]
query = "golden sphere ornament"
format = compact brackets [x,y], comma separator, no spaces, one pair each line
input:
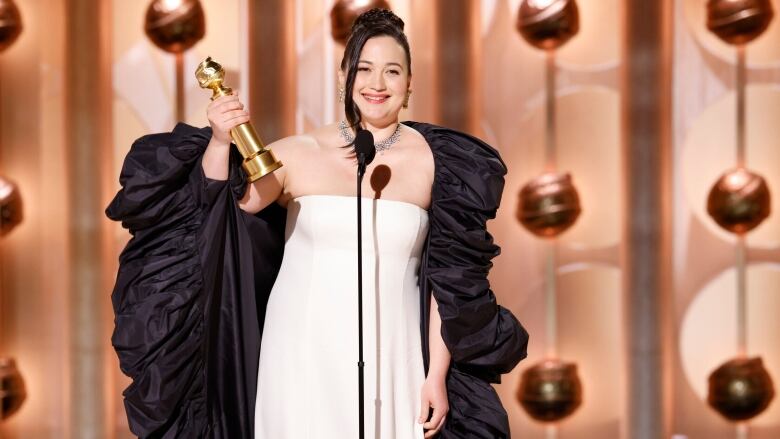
[550,390]
[12,391]
[548,24]
[10,206]
[10,23]
[740,389]
[739,21]
[344,13]
[739,201]
[548,205]
[175,25]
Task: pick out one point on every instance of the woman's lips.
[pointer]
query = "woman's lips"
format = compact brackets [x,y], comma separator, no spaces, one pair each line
[375,99]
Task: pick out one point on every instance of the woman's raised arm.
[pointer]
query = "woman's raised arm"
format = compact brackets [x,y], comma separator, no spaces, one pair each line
[225,113]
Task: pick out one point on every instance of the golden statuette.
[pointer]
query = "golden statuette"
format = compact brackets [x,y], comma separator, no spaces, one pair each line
[258,160]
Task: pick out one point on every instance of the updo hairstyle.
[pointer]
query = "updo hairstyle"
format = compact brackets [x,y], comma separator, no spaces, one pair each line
[372,23]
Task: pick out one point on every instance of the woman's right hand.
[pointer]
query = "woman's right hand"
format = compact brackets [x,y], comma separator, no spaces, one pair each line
[225,113]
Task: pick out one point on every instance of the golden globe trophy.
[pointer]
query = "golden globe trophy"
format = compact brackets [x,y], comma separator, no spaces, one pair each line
[258,161]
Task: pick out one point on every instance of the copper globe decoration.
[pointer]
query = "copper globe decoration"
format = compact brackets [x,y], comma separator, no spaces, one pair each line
[548,24]
[344,13]
[739,201]
[175,26]
[740,389]
[550,391]
[739,21]
[10,23]
[10,206]
[12,389]
[548,205]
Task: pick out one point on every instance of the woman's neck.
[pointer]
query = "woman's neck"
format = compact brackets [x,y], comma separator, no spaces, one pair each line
[381,131]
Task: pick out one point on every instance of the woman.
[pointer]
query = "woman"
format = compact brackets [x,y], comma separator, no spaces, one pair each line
[432,349]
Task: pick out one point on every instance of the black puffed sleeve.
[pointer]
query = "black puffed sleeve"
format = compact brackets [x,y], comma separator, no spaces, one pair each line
[484,338]
[186,298]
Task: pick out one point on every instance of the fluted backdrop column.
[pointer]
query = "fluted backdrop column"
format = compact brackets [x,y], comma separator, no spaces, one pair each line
[272,74]
[87,109]
[457,60]
[647,163]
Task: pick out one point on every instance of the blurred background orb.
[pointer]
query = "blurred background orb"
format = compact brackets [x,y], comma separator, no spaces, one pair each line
[709,151]
[739,201]
[738,21]
[344,13]
[175,25]
[10,206]
[12,391]
[550,390]
[10,23]
[548,205]
[708,330]
[762,52]
[548,24]
[740,389]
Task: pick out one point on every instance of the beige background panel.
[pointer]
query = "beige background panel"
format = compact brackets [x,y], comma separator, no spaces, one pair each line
[708,331]
[710,150]
[589,334]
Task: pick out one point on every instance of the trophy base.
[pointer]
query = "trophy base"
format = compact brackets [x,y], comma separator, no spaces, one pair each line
[260,165]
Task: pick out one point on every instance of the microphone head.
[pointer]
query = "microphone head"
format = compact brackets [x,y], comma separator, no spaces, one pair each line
[364,147]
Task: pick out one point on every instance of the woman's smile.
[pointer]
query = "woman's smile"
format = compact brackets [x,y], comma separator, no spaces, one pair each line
[375,98]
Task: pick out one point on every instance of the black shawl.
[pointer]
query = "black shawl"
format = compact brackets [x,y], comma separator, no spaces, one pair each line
[193,282]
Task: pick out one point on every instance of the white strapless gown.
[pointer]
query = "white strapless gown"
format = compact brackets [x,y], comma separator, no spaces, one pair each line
[308,376]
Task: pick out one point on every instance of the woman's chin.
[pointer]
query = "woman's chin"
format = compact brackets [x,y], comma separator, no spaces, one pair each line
[375,117]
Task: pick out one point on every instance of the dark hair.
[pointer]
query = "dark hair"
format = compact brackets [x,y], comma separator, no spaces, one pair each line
[372,23]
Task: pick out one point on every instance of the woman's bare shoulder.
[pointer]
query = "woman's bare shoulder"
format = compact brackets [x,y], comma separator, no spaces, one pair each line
[317,138]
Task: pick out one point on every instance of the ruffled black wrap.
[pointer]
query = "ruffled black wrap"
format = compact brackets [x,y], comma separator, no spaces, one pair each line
[194,280]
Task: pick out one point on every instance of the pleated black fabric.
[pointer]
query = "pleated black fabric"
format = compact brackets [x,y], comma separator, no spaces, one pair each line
[485,339]
[194,280]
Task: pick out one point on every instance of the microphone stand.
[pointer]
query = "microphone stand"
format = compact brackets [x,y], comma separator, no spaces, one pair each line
[361,383]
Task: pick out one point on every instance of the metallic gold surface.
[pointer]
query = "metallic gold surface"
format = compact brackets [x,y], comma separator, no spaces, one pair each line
[10,206]
[258,161]
[740,389]
[175,26]
[550,390]
[344,13]
[739,21]
[548,25]
[739,201]
[12,390]
[548,205]
[10,23]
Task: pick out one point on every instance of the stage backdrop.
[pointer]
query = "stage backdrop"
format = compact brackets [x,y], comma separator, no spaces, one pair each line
[472,71]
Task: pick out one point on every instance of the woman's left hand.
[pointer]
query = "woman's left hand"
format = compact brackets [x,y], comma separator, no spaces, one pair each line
[434,395]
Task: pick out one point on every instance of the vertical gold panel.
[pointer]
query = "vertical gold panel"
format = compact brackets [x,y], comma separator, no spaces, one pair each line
[35,255]
[647,165]
[272,69]
[87,109]
[457,64]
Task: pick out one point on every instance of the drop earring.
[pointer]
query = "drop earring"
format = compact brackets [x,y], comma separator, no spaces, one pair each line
[341,94]
[406,101]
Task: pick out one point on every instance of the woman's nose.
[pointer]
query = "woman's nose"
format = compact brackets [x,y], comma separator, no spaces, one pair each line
[377,81]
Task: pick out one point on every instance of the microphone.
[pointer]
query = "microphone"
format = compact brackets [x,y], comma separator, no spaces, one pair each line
[364,149]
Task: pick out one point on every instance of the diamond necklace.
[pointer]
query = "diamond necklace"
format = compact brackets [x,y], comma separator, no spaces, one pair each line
[379,146]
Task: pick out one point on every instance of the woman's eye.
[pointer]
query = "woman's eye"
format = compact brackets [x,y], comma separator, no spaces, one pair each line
[394,72]
[362,69]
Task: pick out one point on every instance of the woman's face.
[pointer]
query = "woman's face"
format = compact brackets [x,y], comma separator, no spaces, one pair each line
[381,81]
